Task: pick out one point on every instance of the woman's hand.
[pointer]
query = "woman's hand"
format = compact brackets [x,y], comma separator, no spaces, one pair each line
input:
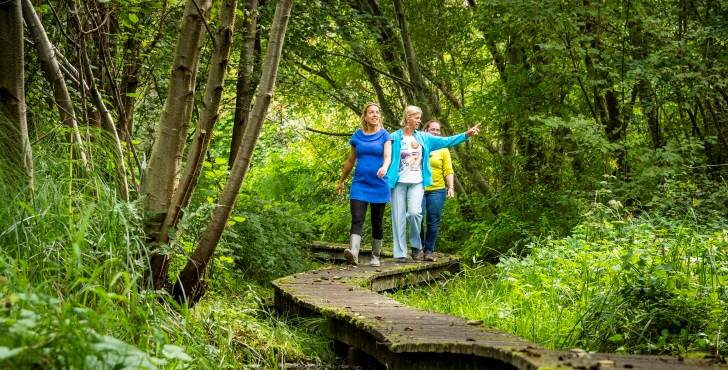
[450,192]
[473,130]
[382,171]
[340,188]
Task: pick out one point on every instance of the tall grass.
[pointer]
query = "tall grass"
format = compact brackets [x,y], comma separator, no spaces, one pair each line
[71,293]
[644,285]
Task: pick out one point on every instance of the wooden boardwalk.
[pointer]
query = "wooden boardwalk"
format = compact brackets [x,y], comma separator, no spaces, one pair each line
[399,337]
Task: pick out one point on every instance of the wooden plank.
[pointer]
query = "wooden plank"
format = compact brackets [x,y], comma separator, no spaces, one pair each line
[402,337]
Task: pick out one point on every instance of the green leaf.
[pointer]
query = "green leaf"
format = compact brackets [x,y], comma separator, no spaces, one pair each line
[174,352]
[6,353]
[133,18]
[220,160]
[616,338]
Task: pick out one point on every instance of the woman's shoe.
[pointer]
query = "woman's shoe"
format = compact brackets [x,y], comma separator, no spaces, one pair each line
[352,255]
[429,257]
[376,250]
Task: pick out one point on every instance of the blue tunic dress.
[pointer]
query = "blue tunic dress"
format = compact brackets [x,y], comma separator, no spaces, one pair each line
[367,186]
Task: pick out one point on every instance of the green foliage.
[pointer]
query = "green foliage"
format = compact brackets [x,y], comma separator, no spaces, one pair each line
[268,240]
[265,237]
[637,285]
[72,292]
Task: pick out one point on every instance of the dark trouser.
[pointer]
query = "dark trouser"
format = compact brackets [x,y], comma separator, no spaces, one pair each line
[432,204]
[359,213]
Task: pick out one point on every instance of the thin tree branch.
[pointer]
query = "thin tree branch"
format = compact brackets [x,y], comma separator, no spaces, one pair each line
[343,100]
[365,64]
[60,25]
[342,134]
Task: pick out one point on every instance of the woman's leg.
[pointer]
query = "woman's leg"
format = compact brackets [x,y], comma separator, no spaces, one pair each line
[435,202]
[399,220]
[377,220]
[415,192]
[423,233]
[377,231]
[358,213]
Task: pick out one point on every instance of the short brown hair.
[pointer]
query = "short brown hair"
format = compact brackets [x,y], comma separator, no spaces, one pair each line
[427,125]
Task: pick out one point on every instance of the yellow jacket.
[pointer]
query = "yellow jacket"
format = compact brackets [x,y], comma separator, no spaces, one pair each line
[441,166]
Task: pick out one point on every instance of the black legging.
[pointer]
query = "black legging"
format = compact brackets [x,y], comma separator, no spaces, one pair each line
[359,213]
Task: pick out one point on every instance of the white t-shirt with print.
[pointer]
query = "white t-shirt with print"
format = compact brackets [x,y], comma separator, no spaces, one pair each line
[410,161]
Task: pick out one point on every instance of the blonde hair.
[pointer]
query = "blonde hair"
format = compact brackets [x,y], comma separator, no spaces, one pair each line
[364,114]
[409,111]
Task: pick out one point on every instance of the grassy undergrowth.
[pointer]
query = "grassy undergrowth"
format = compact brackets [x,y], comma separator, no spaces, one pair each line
[631,285]
[71,292]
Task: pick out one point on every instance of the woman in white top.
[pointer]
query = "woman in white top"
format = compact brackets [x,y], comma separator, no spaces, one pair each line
[408,175]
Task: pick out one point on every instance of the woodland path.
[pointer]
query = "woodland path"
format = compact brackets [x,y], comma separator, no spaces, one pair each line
[379,332]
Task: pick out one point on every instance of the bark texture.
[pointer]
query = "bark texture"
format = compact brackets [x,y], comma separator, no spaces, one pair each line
[246,83]
[190,286]
[208,117]
[107,121]
[12,90]
[164,163]
[52,70]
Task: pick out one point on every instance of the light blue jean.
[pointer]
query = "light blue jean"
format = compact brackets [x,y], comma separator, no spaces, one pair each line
[432,203]
[406,209]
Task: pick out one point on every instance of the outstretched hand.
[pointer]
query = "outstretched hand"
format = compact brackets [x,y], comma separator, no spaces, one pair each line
[473,130]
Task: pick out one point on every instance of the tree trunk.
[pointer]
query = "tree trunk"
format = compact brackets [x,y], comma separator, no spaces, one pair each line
[190,286]
[606,101]
[12,90]
[106,120]
[429,107]
[390,47]
[390,119]
[645,91]
[246,85]
[208,118]
[164,163]
[53,74]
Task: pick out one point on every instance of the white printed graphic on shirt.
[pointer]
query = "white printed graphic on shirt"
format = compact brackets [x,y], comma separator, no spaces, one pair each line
[410,161]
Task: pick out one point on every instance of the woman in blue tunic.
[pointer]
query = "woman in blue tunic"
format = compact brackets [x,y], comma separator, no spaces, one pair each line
[371,150]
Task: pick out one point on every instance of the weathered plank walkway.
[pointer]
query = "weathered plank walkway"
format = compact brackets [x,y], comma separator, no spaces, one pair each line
[400,337]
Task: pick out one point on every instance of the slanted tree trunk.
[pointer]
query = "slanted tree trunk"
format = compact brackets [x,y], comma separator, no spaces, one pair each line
[390,46]
[12,90]
[190,286]
[430,107]
[164,163]
[106,120]
[390,119]
[53,74]
[208,118]
[246,83]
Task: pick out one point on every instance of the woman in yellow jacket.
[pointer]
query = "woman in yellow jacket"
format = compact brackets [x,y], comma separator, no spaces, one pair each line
[443,184]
